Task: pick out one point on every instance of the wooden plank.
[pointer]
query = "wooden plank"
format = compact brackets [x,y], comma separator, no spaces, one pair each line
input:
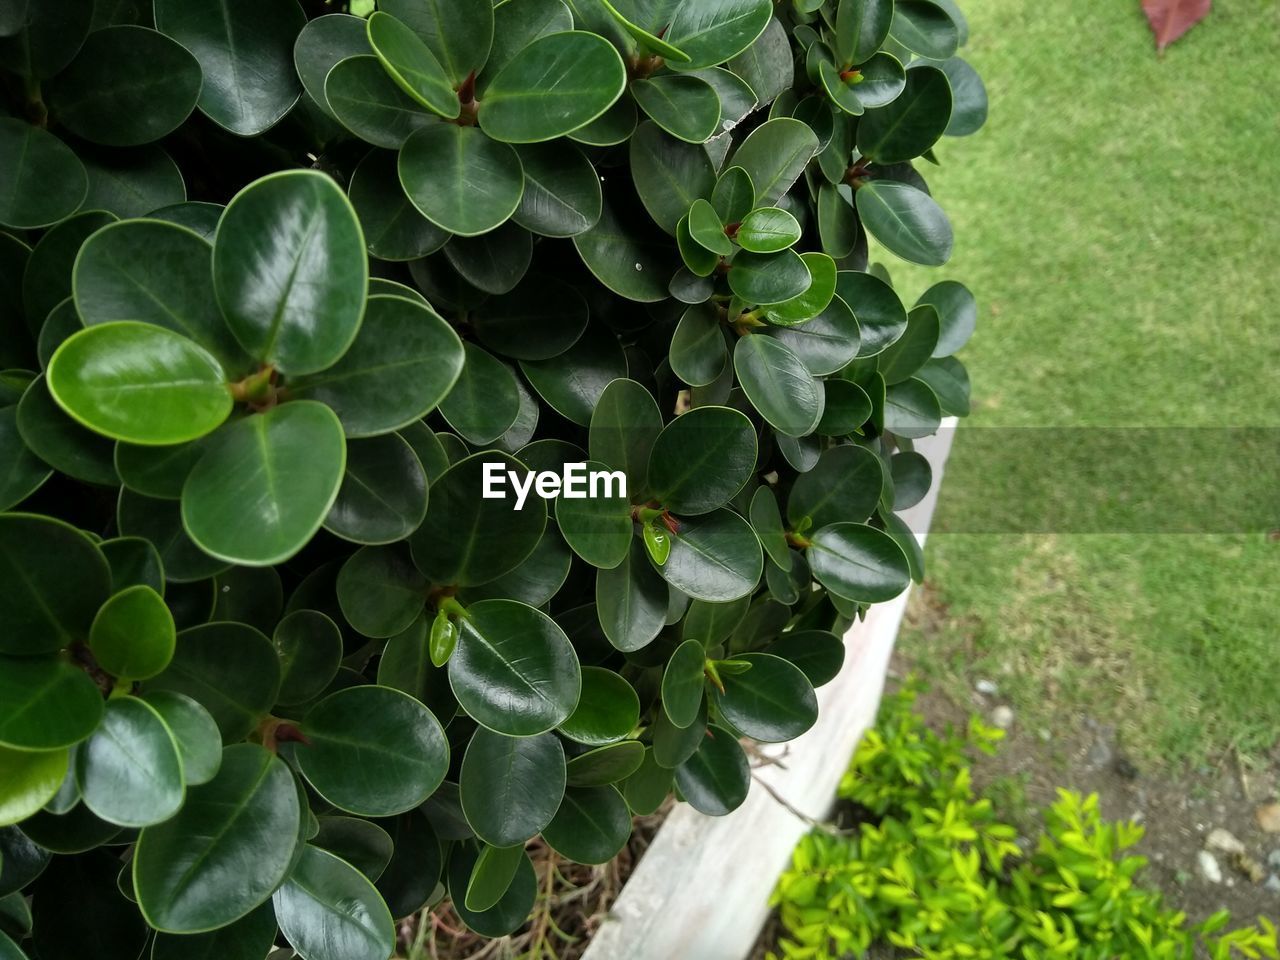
[701,892]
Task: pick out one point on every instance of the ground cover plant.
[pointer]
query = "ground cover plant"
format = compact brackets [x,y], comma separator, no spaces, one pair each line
[930,869]
[281,283]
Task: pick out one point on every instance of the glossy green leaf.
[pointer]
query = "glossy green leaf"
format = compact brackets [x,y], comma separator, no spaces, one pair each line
[969,110]
[371,105]
[716,778]
[826,343]
[698,351]
[669,175]
[266,484]
[536,580]
[510,913]
[573,383]
[925,28]
[642,26]
[361,843]
[702,459]
[321,45]
[494,262]
[714,557]
[133,635]
[957,315]
[393,227]
[373,751]
[128,85]
[380,592]
[459,33]
[682,683]
[778,384]
[514,670]
[774,155]
[769,278]
[881,317]
[912,123]
[485,399]
[845,485]
[404,362]
[767,523]
[713,31]
[511,786]
[612,127]
[47,704]
[309,645]
[43,180]
[592,825]
[949,381]
[516,25]
[562,196]
[327,908]
[249,938]
[630,261]
[226,851]
[160,521]
[772,702]
[594,514]
[845,409]
[631,600]
[494,871]
[883,80]
[555,85]
[246,56]
[130,771]
[907,221]
[199,216]
[837,225]
[412,65]
[467,539]
[685,106]
[611,763]
[194,731]
[139,383]
[734,195]
[862,26]
[52,581]
[901,359]
[608,709]
[768,230]
[858,563]
[383,496]
[406,665]
[707,230]
[31,779]
[290,272]
[460,179]
[816,296]
[911,410]
[230,669]
[817,653]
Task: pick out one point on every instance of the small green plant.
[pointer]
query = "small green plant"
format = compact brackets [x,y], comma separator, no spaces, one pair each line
[934,873]
[286,287]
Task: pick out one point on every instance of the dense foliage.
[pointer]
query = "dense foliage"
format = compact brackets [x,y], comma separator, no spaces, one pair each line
[278,281]
[934,873]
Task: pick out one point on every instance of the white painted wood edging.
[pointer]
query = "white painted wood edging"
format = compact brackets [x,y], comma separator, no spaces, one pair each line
[701,890]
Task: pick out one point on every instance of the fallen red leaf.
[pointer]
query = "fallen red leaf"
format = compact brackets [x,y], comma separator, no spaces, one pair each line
[1170,19]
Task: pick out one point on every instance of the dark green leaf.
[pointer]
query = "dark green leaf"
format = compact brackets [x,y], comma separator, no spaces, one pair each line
[226,851]
[818,654]
[925,28]
[698,352]
[369,103]
[327,908]
[21,471]
[309,645]
[594,514]
[714,557]
[768,230]
[412,65]
[685,106]
[383,496]
[715,779]
[130,771]
[845,409]
[511,786]
[485,399]
[778,384]
[573,383]
[494,262]
[669,175]
[631,262]
[373,751]
[43,181]
[459,33]
[393,227]
[608,709]
[682,683]
[912,123]
[862,26]
[290,271]
[460,179]
[774,155]
[906,220]
[845,485]
[133,636]
[969,112]
[826,343]
[772,702]
[702,459]
[361,843]
[246,55]
[538,320]
[380,591]
[911,409]
[127,86]
[249,938]
[562,195]
[949,381]
[631,600]
[611,763]
[592,825]
[902,358]
[46,703]
[514,670]
[321,45]
[713,31]
[404,362]
[230,669]
[957,315]
[160,521]
[858,563]
[510,913]
[494,871]
[194,731]
[815,298]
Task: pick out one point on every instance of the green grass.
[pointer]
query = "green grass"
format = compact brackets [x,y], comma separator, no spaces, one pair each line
[1119,221]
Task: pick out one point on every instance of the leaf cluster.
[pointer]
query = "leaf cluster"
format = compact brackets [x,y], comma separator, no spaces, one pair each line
[934,872]
[279,279]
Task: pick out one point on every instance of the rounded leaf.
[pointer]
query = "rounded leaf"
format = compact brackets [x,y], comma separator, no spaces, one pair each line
[130,772]
[702,459]
[716,778]
[412,65]
[290,271]
[768,230]
[46,703]
[608,709]
[844,485]
[230,846]
[713,31]
[265,484]
[772,702]
[327,908]
[858,563]
[31,779]
[371,105]
[383,497]
[714,557]
[514,671]
[686,107]
[912,123]
[907,221]
[592,825]
[460,179]
[380,592]
[373,751]
[194,731]
[140,383]
[778,385]
[309,645]
[511,787]
[43,180]
[682,683]
[133,635]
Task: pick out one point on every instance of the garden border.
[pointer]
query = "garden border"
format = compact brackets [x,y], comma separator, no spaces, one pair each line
[701,890]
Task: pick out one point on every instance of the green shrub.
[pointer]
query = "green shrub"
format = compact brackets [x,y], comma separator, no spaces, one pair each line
[278,284]
[934,873]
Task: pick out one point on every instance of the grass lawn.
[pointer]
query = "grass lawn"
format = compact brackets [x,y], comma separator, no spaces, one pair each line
[1119,221]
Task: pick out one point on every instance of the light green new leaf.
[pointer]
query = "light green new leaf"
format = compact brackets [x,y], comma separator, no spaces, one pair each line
[133,635]
[46,703]
[768,230]
[30,781]
[139,383]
